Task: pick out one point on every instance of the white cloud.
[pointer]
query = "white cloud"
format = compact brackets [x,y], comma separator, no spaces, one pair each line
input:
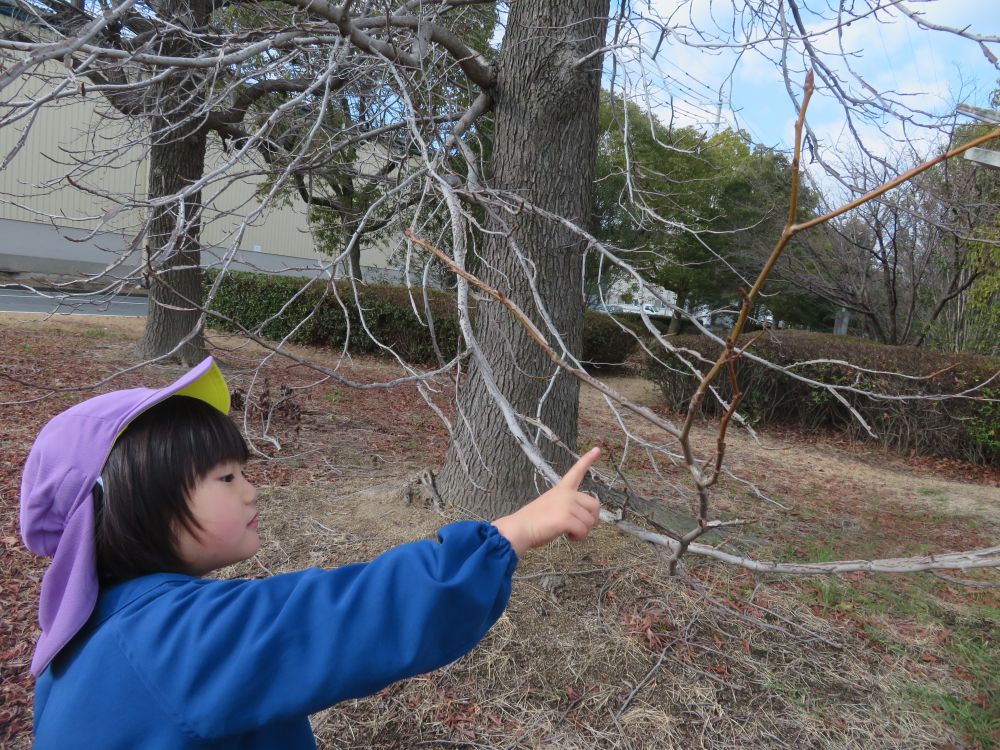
[917,69]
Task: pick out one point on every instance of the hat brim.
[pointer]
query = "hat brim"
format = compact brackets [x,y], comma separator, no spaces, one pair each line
[203,382]
[206,384]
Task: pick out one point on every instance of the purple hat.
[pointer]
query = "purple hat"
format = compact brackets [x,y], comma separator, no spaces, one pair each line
[57,509]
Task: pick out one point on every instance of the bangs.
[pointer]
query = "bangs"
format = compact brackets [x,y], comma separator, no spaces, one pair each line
[203,437]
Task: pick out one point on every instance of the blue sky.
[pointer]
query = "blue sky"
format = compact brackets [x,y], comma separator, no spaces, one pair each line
[928,70]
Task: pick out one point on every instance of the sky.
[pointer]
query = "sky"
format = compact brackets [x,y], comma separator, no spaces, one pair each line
[928,70]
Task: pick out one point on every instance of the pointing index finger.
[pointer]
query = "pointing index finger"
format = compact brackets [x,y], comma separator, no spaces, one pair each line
[578,471]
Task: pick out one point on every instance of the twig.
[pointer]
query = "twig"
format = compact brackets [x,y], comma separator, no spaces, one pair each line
[325,528]
[645,680]
[587,572]
[700,590]
[968,582]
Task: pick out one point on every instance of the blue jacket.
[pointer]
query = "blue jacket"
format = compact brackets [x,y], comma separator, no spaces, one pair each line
[168,661]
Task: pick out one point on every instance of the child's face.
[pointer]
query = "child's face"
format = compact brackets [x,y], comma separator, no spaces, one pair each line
[223,504]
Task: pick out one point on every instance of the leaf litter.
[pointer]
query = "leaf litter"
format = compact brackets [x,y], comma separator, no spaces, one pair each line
[599,646]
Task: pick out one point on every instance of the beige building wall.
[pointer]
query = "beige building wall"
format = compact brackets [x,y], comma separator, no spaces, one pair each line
[73,168]
[70,186]
[278,228]
[64,162]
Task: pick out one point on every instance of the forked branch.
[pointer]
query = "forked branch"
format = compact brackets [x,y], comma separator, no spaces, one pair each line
[677,545]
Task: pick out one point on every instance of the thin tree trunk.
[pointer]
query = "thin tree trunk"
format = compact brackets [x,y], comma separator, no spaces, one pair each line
[544,149]
[954,290]
[350,222]
[354,261]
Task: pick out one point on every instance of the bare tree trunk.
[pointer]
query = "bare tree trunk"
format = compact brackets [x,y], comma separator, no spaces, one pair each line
[544,148]
[176,160]
[176,257]
[353,262]
[677,318]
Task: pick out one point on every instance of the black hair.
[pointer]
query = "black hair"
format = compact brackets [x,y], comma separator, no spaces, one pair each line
[148,477]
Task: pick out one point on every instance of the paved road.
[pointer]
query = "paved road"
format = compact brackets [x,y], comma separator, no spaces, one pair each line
[71,303]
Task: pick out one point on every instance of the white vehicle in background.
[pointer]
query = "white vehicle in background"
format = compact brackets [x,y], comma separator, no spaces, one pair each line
[656,312]
[632,309]
[632,298]
[603,308]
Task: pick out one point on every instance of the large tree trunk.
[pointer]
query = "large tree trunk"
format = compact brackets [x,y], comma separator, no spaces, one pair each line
[545,145]
[177,159]
[175,286]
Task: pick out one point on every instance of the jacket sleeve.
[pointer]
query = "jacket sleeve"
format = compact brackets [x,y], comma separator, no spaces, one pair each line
[225,657]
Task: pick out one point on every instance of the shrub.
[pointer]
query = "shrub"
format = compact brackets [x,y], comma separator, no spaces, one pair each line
[605,344]
[964,428]
[660,323]
[250,299]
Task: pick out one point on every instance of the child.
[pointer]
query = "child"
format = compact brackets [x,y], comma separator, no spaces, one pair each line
[137,493]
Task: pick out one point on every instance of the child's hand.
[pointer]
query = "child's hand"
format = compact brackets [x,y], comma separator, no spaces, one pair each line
[561,510]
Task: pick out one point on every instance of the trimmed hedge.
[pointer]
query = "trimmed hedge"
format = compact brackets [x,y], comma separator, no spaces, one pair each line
[963,428]
[250,299]
[605,344]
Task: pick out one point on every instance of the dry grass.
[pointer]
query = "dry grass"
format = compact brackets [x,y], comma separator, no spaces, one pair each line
[588,624]
[599,647]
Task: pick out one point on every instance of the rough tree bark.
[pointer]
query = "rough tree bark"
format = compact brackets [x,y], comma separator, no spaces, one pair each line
[545,144]
[178,140]
[176,280]
[678,317]
[352,264]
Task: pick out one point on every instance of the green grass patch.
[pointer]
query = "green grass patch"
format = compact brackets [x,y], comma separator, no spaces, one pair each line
[883,640]
[833,545]
[980,725]
[962,637]
[830,593]
[933,493]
